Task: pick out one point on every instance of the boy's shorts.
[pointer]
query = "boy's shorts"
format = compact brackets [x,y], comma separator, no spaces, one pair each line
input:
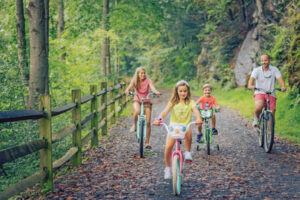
[263,98]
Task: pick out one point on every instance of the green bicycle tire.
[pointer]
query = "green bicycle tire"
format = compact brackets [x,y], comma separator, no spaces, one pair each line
[269,133]
[176,175]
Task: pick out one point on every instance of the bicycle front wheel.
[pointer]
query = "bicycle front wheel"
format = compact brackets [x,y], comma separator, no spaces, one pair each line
[269,132]
[176,175]
[260,131]
[141,140]
[207,135]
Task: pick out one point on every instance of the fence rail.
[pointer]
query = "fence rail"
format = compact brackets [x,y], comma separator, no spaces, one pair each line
[98,124]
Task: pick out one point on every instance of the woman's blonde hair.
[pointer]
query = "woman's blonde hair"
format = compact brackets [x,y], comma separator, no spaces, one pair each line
[137,80]
[175,97]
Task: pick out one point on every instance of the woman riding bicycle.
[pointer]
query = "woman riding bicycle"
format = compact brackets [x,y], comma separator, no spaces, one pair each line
[182,106]
[141,84]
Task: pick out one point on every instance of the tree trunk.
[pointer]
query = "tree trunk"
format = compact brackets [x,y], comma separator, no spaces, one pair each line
[61,21]
[244,12]
[23,63]
[46,2]
[105,41]
[38,83]
[260,11]
[61,24]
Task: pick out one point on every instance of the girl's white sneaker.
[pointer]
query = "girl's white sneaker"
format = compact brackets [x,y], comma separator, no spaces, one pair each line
[188,156]
[168,174]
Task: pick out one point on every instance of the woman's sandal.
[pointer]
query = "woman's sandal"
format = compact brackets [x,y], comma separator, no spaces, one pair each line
[148,146]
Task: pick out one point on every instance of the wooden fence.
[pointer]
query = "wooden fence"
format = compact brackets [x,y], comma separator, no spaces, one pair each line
[98,118]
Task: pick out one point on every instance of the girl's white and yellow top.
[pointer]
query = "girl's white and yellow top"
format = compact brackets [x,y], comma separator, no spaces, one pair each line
[182,113]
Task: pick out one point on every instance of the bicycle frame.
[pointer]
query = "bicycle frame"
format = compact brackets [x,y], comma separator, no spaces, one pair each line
[141,119]
[206,115]
[141,116]
[207,130]
[178,152]
[263,119]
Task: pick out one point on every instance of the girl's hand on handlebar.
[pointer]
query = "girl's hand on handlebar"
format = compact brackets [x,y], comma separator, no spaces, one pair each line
[157,121]
[126,92]
[283,89]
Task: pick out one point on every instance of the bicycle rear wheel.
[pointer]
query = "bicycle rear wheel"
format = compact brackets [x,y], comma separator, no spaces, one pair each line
[269,132]
[176,175]
[207,135]
[141,139]
[260,131]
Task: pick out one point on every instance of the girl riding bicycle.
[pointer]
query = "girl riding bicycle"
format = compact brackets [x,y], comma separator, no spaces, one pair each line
[141,84]
[182,107]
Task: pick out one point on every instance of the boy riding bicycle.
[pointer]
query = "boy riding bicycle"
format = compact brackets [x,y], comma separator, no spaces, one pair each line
[207,102]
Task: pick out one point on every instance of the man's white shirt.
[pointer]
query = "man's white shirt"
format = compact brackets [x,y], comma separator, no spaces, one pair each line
[265,79]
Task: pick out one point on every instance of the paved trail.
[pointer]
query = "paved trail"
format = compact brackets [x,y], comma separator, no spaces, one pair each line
[240,170]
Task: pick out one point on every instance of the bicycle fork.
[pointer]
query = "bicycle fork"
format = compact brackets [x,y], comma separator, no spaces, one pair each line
[178,152]
[141,121]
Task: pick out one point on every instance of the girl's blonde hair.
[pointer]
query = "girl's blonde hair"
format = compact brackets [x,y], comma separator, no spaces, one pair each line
[136,78]
[175,97]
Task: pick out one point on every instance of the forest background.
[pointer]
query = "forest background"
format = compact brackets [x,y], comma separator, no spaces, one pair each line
[95,40]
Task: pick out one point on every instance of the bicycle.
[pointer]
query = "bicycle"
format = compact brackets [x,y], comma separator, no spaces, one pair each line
[141,130]
[266,124]
[206,115]
[176,131]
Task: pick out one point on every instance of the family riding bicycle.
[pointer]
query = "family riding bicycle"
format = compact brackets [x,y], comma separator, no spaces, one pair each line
[181,107]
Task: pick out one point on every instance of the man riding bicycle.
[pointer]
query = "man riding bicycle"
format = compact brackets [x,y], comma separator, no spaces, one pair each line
[264,78]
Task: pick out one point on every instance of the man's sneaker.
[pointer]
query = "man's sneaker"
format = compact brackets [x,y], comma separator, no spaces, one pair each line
[214,131]
[188,156]
[255,122]
[199,137]
[168,174]
[132,129]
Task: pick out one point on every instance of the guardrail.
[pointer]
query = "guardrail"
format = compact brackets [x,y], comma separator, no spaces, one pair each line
[47,138]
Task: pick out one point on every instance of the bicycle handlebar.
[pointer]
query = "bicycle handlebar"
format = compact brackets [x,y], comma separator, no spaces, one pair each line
[267,92]
[162,123]
[146,98]
[214,109]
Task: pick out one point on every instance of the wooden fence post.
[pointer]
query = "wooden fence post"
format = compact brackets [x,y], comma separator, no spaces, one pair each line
[76,119]
[125,96]
[112,106]
[120,91]
[94,121]
[104,111]
[46,134]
